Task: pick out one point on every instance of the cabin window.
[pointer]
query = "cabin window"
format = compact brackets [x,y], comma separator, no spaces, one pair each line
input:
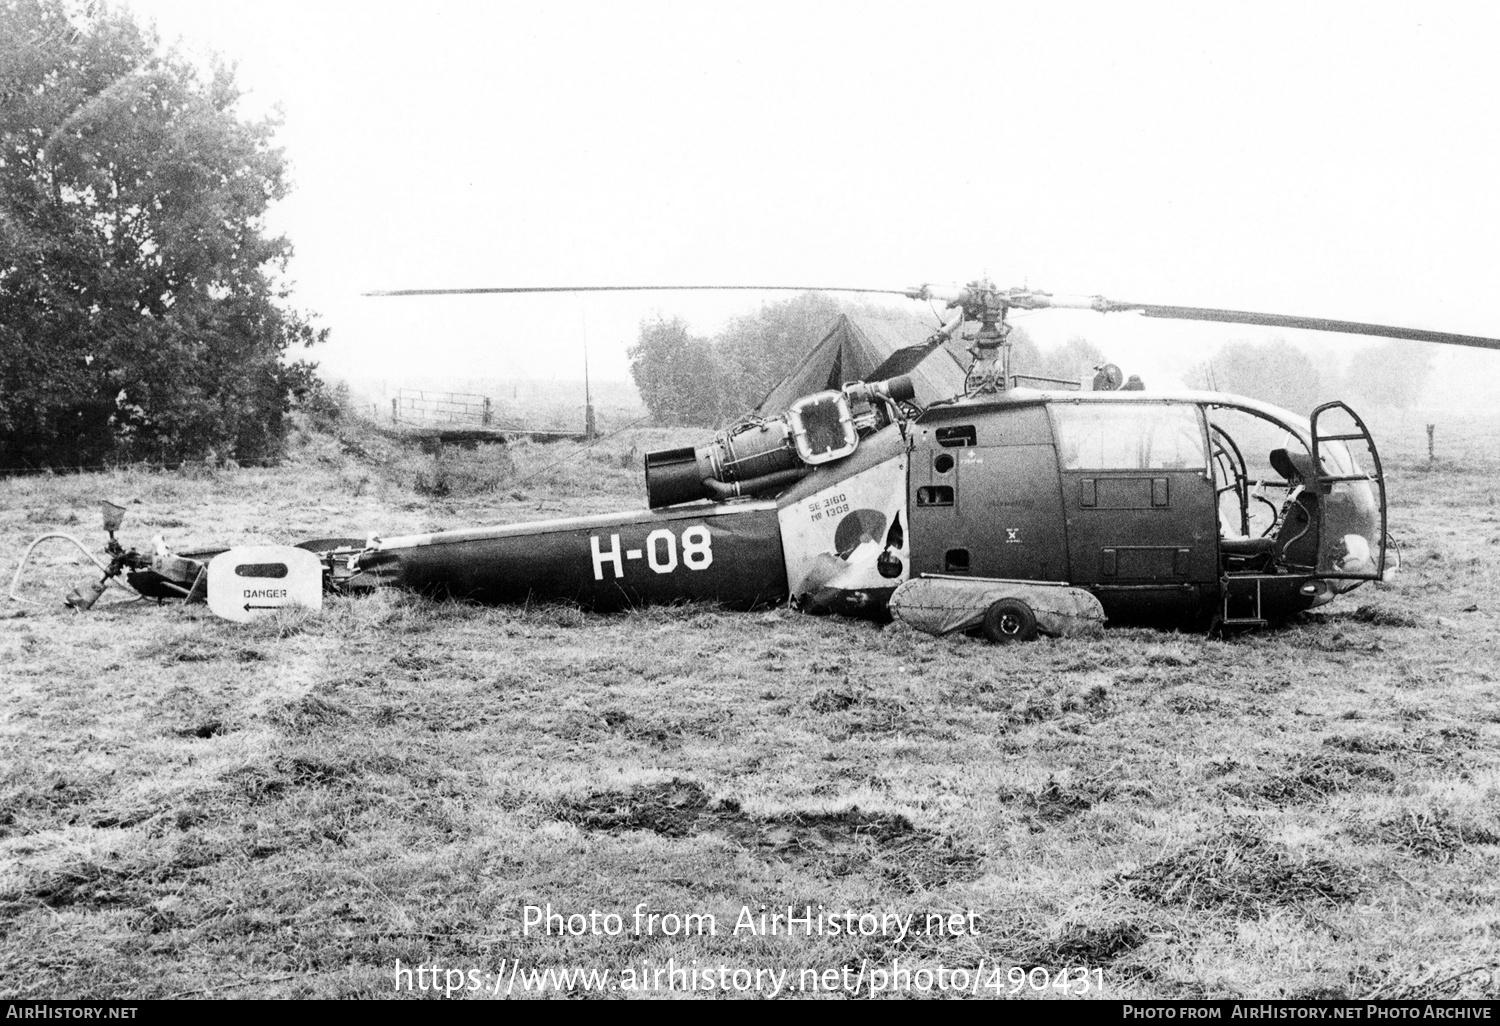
[1129,436]
[935,495]
[958,437]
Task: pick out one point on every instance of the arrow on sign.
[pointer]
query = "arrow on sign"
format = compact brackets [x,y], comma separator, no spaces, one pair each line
[249,607]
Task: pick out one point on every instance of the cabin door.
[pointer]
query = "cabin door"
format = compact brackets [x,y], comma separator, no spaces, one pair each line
[1142,516]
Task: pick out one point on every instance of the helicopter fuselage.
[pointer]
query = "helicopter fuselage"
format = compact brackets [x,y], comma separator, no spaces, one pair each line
[1147,500]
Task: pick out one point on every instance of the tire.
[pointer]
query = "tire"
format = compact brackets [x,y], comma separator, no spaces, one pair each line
[1009,620]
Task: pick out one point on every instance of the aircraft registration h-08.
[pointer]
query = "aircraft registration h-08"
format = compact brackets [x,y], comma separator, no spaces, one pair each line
[990,509]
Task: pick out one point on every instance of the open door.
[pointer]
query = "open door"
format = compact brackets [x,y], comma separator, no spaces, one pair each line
[1352,511]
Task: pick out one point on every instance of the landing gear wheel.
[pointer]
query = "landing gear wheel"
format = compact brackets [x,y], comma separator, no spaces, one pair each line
[1009,620]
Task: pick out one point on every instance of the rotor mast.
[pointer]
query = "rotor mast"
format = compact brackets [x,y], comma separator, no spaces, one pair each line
[980,301]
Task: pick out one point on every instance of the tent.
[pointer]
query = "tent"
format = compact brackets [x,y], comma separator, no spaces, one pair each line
[867,347]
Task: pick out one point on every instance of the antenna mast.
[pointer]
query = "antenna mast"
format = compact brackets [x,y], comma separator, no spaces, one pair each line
[590,429]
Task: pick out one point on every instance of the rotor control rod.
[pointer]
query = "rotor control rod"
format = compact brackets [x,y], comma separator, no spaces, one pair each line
[953,295]
[1047,301]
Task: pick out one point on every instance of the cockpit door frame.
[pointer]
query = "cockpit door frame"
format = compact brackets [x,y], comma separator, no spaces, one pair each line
[1326,481]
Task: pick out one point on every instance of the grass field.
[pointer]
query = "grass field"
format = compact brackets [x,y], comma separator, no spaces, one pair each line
[193,808]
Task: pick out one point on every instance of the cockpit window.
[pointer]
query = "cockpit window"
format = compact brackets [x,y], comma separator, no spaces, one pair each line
[1129,436]
[1252,491]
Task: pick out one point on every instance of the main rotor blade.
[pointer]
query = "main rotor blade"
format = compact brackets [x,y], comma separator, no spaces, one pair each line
[627,288]
[1199,313]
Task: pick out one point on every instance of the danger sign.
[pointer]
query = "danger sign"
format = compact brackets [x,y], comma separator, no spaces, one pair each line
[250,582]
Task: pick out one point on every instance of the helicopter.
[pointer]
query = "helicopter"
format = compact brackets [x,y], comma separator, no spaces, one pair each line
[1006,509]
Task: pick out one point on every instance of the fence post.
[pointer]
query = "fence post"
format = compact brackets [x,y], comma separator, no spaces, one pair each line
[395,410]
[488,412]
[1431,454]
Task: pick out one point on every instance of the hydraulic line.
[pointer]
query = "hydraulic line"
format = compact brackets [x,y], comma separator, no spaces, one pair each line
[15,582]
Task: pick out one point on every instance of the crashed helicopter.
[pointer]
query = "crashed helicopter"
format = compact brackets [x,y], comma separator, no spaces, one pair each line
[1008,509]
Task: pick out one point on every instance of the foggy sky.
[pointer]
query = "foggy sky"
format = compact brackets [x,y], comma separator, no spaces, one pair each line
[1330,160]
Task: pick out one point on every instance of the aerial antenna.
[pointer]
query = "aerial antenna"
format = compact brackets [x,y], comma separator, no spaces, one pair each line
[590,429]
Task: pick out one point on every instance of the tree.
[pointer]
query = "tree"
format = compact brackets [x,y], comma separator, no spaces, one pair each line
[687,379]
[1277,372]
[1074,359]
[677,373]
[759,349]
[142,310]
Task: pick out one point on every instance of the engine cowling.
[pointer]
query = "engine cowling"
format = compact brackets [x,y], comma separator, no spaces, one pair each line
[759,457]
